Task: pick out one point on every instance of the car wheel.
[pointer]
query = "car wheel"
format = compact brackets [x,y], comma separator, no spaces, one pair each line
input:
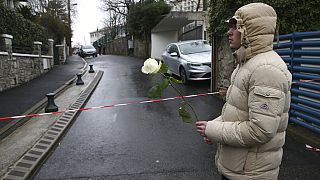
[184,76]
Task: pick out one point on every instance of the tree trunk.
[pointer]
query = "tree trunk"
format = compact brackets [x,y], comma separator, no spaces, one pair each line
[146,37]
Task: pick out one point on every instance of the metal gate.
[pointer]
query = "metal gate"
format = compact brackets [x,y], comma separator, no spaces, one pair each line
[195,33]
[301,52]
[56,55]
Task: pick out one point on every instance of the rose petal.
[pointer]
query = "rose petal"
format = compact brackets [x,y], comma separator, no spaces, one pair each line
[150,66]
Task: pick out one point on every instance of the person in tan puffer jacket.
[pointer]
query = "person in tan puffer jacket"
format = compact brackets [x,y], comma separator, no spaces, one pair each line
[251,129]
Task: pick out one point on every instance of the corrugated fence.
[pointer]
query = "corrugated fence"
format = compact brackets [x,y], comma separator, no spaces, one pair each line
[301,52]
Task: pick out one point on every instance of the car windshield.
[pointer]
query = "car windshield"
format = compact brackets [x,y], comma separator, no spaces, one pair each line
[194,47]
[88,47]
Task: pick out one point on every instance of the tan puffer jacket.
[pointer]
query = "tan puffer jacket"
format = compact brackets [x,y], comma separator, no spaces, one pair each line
[251,129]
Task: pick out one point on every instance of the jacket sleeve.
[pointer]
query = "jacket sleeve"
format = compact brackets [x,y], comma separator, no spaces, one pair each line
[266,101]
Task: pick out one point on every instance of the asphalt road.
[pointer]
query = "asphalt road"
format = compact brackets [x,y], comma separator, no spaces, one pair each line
[148,141]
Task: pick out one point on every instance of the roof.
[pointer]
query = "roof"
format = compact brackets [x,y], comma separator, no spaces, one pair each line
[177,19]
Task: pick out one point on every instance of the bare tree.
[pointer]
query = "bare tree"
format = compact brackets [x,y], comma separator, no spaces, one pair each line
[118,6]
[198,5]
[117,10]
[57,8]
[38,6]
[116,15]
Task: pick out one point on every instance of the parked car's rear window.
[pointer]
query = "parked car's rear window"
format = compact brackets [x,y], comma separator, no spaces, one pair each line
[194,47]
[88,47]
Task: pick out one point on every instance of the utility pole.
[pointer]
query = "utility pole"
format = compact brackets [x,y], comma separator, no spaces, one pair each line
[69,26]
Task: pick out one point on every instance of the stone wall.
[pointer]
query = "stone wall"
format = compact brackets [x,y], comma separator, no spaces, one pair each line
[16,68]
[120,47]
[225,63]
[140,49]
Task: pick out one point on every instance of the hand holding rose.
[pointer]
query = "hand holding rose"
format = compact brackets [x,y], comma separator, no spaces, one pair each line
[201,128]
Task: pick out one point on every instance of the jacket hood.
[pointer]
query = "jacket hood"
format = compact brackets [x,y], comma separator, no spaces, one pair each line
[257,24]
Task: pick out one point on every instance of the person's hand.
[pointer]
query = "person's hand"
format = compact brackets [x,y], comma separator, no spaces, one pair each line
[207,141]
[201,127]
[222,91]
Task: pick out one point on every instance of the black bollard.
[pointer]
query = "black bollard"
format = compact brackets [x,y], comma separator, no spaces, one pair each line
[51,106]
[91,69]
[79,80]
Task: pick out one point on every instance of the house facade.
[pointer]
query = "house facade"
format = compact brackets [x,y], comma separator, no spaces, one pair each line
[96,35]
[107,33]
[185,5]
[184,22]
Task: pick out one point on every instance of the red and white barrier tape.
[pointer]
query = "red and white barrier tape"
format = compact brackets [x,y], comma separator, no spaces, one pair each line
[129,103]
[310,148]
[303,81]
[108,106]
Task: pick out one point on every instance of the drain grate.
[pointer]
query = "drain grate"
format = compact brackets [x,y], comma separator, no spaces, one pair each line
[28,163]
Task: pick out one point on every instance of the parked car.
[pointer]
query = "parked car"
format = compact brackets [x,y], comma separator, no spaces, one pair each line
[190,60]
[87,50]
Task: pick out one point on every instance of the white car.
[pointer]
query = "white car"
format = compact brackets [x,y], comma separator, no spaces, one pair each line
[191,60]
[88,50]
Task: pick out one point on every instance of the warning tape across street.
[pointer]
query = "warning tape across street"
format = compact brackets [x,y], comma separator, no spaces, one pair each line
[107,106]
[130,103]
[303,81]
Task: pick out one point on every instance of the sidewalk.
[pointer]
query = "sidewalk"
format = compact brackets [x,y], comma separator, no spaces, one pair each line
[28,150]
[23,99]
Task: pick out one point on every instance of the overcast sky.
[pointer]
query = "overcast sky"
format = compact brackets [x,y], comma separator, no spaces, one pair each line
[88,19]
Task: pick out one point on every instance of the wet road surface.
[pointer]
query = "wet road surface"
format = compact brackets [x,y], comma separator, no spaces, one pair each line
[136,141]
[148,141]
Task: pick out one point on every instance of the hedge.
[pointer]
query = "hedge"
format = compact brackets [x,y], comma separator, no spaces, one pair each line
[24,31]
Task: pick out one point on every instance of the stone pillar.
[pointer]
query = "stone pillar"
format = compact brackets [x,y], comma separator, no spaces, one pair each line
[50,52]
[50,43]
[37,48]
[6,44]
[61,54]
[38,64]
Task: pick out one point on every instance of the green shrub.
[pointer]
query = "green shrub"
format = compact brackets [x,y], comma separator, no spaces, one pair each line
[24,31]
[54,26]
[293,15]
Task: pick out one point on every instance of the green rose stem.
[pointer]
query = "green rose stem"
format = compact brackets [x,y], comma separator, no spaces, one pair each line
[184,100]
[152,66]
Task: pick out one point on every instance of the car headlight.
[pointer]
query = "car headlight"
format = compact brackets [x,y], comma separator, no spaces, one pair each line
[194,64]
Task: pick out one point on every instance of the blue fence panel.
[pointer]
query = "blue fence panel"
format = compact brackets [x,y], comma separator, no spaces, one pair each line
[301,52]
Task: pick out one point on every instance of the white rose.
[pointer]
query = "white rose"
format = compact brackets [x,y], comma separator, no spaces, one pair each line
[151,66]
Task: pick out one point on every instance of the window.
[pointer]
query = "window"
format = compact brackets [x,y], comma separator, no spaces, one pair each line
[172,48]
[194,47]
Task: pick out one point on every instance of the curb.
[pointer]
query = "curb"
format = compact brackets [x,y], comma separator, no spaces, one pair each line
[16,123]
[27,166]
